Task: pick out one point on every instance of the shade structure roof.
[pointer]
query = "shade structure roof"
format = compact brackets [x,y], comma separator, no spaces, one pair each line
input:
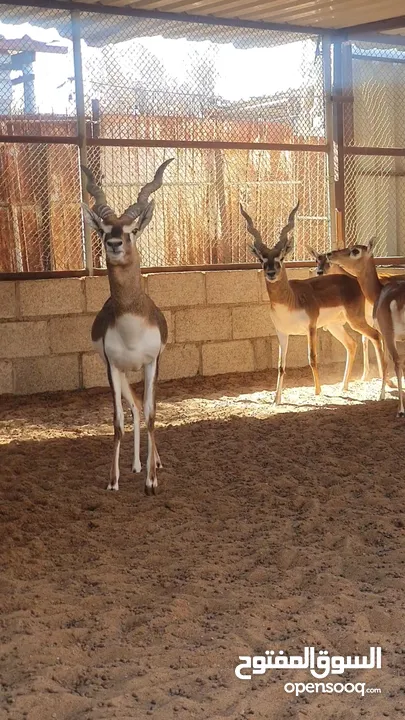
[382,16]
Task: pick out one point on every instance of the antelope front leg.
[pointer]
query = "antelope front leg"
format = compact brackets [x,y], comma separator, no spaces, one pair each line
[282,356]
[149,408]
[159,463]
[399,371]
[135,405]
[384,369]
[114,378]
[350,345]
[387,380]
[366,362]
[391,346]
[381,352]
[361,325]
[313,359]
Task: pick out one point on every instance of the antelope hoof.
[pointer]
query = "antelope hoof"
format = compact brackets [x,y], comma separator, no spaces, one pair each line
[112,486]
[151,490]
[136,467]
[401,414]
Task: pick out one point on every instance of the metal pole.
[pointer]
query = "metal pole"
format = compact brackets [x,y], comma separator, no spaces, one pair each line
[81,123]
[350,170]
[338,131]
[327,83]
[29,89]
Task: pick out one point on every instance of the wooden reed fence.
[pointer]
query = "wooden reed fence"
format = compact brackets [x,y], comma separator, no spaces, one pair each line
[196,220]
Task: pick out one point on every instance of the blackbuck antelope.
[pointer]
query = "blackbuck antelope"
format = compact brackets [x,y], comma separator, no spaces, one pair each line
[388,303]
[299,307]
[324,267]
[129,332]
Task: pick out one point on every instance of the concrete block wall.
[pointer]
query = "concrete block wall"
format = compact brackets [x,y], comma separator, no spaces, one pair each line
[219,322]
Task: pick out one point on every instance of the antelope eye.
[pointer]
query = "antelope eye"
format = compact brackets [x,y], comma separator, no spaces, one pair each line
[355,252]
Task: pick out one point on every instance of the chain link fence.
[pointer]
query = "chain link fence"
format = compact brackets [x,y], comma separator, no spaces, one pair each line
[241,110]
[36,73]
[375,125]
[144,82]
[375,202]
[40,220]
[209,96]
[378,78]
[156,80]
[197,219]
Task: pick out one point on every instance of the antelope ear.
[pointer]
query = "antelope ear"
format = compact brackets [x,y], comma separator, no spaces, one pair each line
[90,218]
[93,221]
[141,222]
[256,252]
[312,252]
[371,244]
[287,248]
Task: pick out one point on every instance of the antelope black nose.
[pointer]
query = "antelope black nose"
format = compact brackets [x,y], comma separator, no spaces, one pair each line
[114,245]
[319,272]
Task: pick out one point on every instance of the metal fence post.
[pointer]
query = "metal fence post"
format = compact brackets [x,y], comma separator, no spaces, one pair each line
[338,133]
[327,85]
[81,123]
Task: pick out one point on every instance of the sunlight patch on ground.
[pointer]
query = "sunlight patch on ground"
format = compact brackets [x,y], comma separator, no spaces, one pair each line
[185,410]
[302,399]
[260,403]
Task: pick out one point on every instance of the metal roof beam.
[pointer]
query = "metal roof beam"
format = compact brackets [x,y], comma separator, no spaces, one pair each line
[377,26]
[172,17]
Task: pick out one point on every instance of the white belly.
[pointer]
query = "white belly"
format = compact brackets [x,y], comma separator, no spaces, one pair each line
[296,322]
[398,321]
[131,343]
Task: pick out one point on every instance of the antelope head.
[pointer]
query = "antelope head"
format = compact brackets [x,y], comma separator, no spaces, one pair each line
[272,259]
[352,259]
[322,263]
[120,233]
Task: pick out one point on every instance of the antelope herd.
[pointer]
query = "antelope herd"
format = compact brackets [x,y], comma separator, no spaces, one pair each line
[130,332]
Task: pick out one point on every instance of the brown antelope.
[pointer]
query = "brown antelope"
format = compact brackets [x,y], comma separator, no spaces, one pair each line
[299,307]
[324,267]
[388,303]
[129,332]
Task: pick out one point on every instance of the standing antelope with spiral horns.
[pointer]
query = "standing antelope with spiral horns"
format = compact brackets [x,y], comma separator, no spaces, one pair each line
[129,332]
[299,307]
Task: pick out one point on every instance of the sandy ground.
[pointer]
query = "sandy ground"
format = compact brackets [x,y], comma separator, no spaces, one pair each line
[274,529]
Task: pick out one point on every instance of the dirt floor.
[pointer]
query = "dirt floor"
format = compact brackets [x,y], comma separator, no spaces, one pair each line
[273,529]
